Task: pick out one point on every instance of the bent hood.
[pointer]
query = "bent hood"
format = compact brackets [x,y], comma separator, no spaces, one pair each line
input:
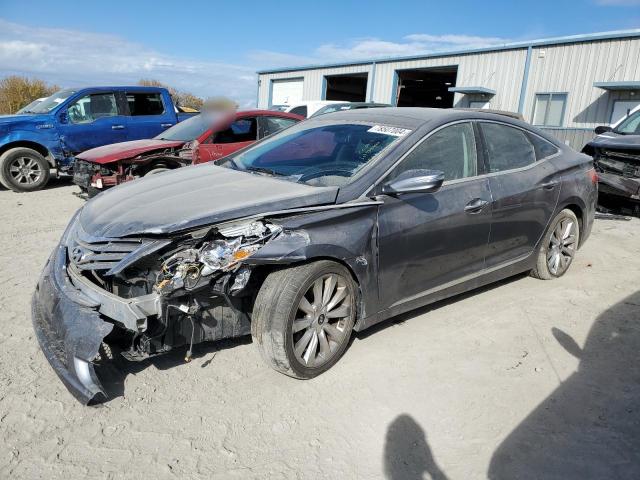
[123,150]
[191,197]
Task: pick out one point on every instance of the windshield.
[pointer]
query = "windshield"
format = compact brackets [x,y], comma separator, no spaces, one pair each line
[630,125]
[327,155]
[191,128]
[52,102]
[29,108]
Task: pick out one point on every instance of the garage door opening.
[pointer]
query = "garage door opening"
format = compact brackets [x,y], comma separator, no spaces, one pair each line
[427,87]
[352,88]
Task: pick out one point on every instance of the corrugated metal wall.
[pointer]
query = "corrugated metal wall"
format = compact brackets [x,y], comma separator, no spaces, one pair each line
[313,81]
[574,68]
[570,68]
[500,71]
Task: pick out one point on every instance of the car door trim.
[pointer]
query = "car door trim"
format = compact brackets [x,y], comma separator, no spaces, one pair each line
[466,278]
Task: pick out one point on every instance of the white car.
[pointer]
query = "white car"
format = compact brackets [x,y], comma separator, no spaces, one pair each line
[306,109]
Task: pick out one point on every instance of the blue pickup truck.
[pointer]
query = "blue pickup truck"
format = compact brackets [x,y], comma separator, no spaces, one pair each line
[70,121]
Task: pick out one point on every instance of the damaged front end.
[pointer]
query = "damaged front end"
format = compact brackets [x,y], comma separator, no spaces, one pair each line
[619,173]
[143,295]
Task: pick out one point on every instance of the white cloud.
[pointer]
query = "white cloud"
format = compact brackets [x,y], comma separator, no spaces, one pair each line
[76,58]
[370,48]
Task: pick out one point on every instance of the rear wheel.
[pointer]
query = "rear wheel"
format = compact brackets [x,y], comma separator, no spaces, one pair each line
[303,318]
[558,246]
[23,170]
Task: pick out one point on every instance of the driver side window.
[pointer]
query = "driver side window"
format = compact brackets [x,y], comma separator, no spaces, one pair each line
[451,150]
[92,107]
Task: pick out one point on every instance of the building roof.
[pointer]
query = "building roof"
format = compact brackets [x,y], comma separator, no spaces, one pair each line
[590,37]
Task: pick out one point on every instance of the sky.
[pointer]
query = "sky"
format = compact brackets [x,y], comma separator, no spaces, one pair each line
[213,48]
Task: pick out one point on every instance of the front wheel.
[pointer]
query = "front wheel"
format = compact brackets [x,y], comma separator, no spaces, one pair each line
[558,247]
[23,170]
[303,318]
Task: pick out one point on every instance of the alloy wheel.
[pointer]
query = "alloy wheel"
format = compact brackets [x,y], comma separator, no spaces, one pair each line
[25,171]
[322,318]
[562,246]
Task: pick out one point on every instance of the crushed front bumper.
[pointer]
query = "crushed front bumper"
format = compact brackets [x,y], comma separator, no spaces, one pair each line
[68,328]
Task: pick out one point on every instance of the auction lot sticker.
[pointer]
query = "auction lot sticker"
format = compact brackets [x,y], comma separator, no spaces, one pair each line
[395,131]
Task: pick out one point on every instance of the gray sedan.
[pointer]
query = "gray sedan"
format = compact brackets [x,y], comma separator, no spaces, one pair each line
[326,228]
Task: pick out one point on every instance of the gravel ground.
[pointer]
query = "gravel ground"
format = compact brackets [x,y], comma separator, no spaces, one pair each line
[525,379]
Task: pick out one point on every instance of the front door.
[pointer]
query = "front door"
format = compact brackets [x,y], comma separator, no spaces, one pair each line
[428,241]
[525,190]
[241,133]
[92,121]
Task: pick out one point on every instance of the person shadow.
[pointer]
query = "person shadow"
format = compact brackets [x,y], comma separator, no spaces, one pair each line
[407,455]
[589,427]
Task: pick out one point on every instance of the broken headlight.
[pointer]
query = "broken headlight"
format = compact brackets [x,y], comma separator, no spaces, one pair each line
[192,267]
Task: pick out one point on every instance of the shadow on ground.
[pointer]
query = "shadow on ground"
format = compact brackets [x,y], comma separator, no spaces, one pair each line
[407,455]
[589,427]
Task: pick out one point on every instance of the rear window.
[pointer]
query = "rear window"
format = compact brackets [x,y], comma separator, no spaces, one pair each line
[507,147]
[542,147]
[145,104]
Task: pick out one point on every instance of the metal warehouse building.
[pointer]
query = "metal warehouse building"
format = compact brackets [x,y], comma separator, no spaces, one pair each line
[567,85]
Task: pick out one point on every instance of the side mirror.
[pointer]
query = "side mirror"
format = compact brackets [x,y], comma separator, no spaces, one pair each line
[602,129]
[415,181]
[63,117]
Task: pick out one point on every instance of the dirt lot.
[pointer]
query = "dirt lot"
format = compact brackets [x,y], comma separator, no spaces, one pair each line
[526,379]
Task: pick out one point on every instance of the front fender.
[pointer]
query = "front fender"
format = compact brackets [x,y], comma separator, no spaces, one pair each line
[47,138]
[345,235]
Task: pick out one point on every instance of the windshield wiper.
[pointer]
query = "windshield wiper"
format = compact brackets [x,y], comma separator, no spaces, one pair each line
[266,170]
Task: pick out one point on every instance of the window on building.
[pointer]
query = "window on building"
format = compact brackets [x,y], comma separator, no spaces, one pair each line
[622,109]
[451,150]
[92,107]
[145,104]
[549,109]
[507,147]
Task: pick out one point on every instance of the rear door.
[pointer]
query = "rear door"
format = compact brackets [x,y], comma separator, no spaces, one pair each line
[525,189]
[241,133]
[428,241]
[93,120]
[149,114]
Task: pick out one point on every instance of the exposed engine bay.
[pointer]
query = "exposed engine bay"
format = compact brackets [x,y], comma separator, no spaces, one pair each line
[190,289]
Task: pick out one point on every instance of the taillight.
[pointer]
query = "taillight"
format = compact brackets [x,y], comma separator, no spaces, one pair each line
[593,175]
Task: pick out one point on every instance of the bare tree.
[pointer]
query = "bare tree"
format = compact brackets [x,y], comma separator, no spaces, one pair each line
[16,92]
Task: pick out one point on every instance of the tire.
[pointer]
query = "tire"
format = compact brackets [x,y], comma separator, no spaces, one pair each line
[23,170]
[278,304]
[153,171]
[558,246]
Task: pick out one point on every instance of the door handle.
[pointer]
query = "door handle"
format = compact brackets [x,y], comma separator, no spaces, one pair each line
[476,205]
[549,185]
[117,127]
[166,125]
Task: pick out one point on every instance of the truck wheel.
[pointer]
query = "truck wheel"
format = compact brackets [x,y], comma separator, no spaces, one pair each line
[23,170]
[303,317]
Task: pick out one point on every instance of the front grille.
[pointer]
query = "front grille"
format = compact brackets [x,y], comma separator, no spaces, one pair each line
[86,252]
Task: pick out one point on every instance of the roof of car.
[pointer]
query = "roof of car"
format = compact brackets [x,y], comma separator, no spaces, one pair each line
[411,117]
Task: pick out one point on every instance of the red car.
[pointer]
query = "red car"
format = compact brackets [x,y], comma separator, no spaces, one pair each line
[204,138]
